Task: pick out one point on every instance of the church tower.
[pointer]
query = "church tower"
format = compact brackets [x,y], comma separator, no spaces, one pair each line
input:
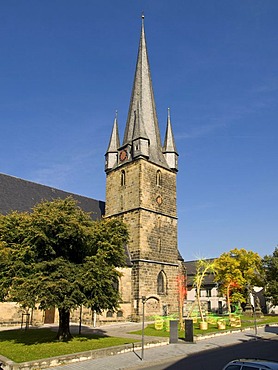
[141,191]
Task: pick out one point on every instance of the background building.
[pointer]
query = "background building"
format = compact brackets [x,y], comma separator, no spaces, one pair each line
[210,298]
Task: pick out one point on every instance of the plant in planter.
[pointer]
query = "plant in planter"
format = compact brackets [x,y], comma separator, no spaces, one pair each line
[203,267]
[158,322]
[221,324]
[235,321]
[212,320]
[203,325]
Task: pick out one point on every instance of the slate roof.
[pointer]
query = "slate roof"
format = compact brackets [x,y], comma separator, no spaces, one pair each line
[142,119]
[21,195]
[191,271]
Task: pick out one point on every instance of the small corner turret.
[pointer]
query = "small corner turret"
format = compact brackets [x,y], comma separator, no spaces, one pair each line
[169,148]
[111,156]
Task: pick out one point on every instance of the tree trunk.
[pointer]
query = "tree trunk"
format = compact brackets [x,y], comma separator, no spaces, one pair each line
[181,292]
[199,304]
[181,314]
[64,326]
[228,301]
[192,308]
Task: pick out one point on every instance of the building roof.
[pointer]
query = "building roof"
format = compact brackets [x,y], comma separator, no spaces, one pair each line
[142,118]
[114,142]
[191,272]
[21,195]
[169,142]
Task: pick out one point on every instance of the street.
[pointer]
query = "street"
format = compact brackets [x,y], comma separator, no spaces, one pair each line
[216,359]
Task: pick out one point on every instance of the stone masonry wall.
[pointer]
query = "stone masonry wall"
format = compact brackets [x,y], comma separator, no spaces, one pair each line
[146,202]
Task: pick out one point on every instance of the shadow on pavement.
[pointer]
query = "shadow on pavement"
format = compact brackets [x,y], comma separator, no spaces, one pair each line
[217,358]
[271,329]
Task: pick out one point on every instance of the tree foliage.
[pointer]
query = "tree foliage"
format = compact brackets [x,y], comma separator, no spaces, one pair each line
[57,256]
[235,271]
[270,264]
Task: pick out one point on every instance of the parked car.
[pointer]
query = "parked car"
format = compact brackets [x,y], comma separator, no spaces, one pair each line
[251,364]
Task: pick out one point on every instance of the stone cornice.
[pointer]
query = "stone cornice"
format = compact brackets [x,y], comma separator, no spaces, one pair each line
[141,209]
[155,262]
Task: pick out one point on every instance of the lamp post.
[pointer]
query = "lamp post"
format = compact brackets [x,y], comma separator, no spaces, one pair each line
[144,300]
[254,312]
[251,293]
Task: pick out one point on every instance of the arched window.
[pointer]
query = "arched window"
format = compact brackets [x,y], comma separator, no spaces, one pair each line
[121,201]
[159,246]
[123,178]
[158,178]
[116,284]
[161,283]
[109,313]
[159,243]
[120,314]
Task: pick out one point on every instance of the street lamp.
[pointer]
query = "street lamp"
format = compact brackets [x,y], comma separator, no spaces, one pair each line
[252,294]
[254,312]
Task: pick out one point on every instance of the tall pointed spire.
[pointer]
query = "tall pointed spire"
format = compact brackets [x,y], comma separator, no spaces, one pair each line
[143,97]
[111,155]
[169,148]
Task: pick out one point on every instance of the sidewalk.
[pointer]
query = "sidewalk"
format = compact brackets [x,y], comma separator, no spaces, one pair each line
[155,355]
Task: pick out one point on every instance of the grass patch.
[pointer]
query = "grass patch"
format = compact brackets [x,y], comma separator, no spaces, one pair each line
[246,321]
[34,344]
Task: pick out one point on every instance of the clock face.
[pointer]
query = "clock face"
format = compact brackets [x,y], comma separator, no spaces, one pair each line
[123,155]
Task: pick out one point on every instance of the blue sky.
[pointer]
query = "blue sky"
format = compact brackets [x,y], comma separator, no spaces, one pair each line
[66,66]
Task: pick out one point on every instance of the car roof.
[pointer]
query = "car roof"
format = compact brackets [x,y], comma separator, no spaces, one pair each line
[265,364]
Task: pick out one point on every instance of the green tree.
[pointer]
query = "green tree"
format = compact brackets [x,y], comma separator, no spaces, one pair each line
[270,264]
[235,271]
[57,256]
